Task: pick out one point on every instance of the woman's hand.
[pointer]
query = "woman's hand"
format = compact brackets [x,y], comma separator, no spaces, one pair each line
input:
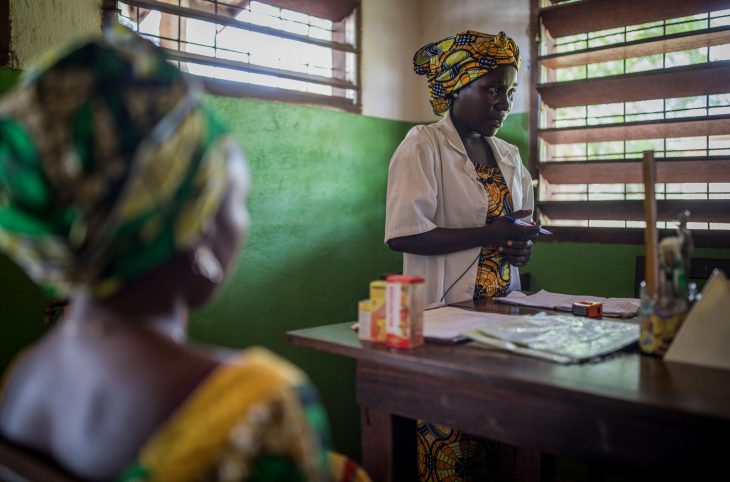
[517,252]
[513,239]
[498,233]
[501,230]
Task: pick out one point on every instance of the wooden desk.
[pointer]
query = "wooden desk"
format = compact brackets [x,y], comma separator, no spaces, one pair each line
[628,410]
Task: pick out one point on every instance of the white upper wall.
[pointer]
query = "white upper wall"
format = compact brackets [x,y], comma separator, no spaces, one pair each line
[390,36]
[393,30]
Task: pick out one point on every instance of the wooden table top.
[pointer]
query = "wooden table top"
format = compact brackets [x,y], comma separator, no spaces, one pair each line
[628,377]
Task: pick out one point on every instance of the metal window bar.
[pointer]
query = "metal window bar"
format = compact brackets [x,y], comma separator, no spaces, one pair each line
[231,22]
[636,155]
[629,117]
[621,189]
[336,81]
[256,69]
[217,49]
[588,37]
[588,75]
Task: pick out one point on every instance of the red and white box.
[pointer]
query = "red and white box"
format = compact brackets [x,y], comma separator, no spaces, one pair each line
[404,304]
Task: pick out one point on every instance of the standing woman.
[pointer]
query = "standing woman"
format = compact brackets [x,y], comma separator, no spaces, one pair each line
[450,186]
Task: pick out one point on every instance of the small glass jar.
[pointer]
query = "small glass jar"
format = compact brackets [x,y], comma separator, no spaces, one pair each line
[660,322]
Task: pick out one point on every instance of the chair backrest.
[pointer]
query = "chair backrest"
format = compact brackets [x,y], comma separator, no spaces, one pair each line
[20,465]
[700,270]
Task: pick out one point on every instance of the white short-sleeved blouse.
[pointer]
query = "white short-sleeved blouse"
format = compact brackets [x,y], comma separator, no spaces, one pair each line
[432,183]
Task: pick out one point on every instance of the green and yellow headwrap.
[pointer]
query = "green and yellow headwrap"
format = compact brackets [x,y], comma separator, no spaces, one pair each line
[109,165]
[457,60]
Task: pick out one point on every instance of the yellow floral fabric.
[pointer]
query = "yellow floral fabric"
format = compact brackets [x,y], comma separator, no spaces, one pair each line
[493,272]
[448,455]
[457,60]
[254,419]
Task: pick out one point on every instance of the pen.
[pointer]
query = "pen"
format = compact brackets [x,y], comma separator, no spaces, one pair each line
[523,223]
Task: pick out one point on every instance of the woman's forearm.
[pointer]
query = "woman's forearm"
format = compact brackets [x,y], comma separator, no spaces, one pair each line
[449,240]
[440,241]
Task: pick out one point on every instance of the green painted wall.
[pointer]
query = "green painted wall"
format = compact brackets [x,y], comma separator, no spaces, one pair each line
[317,210]
[8,78]
[592,268]
[515,131]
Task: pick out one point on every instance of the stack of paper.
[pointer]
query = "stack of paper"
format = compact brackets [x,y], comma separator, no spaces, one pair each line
[559,338]
[447,324]
[618,307]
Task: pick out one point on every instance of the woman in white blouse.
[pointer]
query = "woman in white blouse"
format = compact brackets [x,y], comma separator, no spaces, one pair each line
[454,193]
[453,188]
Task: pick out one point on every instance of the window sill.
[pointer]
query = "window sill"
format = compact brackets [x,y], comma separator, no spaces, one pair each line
[703,238]
[230,88]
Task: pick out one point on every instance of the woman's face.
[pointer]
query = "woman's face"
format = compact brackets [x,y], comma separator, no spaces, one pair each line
[483,105]
[228,230]
[232,219]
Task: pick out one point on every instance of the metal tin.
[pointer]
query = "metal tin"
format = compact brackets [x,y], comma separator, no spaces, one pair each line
[404,311]
[377,311]
[365,328]
[591,309]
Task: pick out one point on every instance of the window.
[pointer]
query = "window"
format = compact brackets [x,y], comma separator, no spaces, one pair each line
[616,78]
[259,49]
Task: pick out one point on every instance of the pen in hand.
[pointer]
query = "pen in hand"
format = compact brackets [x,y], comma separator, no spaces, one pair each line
[523,223]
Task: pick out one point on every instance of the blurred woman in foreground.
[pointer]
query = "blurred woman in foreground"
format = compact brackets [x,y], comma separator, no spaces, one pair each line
[121,191]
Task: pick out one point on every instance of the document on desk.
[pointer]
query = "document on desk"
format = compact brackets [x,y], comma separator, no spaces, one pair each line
[559,338]
[615,307]
[447,324]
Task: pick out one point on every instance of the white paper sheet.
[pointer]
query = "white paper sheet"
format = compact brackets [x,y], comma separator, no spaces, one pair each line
[448,323]
[617,307]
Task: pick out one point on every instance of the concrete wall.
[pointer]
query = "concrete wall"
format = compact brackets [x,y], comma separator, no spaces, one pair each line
[37,25]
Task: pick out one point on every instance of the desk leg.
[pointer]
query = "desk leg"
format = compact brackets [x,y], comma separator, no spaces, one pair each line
[388,446]
[376,428]
[534,466]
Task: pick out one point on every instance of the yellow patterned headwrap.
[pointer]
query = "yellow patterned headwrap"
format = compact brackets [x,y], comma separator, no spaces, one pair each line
[457,60]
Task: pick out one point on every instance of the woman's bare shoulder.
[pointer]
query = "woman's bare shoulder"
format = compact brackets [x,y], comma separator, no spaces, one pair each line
[90,403]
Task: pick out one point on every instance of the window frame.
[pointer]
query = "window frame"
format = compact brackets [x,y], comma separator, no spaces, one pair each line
[703,237]
[231,88]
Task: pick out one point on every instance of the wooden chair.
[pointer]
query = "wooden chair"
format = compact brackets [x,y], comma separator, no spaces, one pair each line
[700,270]
[22,465]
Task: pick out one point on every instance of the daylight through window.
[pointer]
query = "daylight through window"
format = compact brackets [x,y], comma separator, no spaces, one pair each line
[614,85]
[254,48]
